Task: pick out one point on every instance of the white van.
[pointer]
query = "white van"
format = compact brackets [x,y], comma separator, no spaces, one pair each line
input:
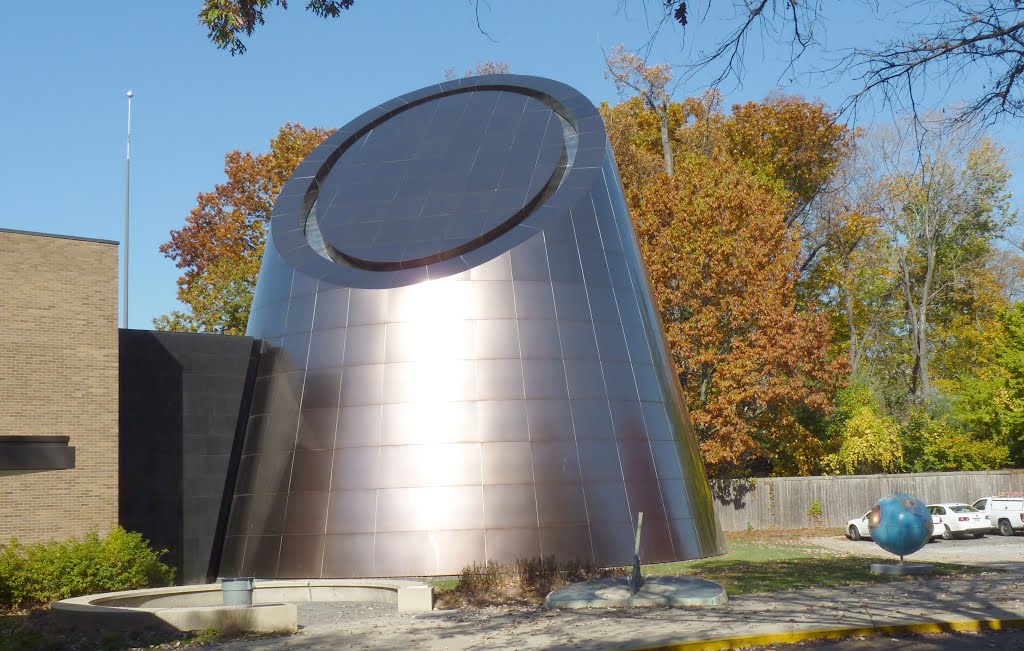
[1003,513]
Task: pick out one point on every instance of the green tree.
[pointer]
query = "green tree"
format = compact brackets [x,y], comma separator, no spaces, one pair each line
[943,211]
[227,20]
[864,438]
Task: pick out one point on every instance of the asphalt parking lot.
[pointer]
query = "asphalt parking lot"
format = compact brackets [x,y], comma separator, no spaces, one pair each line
[993,551]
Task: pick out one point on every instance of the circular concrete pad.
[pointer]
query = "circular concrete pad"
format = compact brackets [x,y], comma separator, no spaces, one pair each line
[657,591]
[902,569]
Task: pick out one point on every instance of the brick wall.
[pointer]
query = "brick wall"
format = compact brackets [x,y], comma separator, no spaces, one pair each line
[58,376]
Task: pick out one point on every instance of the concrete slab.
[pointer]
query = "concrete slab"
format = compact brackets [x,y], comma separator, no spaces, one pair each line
[902,569]
[656,592]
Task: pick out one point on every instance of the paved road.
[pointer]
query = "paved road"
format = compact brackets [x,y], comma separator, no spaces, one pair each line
[999,552]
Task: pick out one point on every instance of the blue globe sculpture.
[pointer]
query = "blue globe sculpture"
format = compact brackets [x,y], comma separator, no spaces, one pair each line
[900,524]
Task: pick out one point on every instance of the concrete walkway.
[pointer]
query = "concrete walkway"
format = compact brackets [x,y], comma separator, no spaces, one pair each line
[363,626]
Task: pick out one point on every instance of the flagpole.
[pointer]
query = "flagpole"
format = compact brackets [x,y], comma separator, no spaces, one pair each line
[127,186]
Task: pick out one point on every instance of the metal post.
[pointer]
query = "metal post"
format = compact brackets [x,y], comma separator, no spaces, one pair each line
[635,579]
[127,186]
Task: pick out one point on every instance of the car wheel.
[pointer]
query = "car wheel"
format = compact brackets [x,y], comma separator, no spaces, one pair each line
[854,533]
[979,535]
[1005,528]
[946,533]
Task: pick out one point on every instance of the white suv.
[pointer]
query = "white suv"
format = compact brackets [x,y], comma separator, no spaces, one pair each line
[1003,513]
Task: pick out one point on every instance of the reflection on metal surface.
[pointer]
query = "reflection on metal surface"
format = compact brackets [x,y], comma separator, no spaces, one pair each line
[431,409]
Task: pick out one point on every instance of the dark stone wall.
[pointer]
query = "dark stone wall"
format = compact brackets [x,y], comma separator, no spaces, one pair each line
[184,402]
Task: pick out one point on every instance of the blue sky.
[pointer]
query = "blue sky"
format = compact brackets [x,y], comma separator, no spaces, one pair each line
[67,66]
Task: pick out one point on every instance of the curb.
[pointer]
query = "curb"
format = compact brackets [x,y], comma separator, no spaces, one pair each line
[742,642]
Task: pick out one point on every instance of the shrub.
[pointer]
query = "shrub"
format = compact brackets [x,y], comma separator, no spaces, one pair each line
[45,572]
[526,580]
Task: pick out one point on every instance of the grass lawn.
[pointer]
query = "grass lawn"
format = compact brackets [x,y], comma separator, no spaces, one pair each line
[763,561]
[782,561]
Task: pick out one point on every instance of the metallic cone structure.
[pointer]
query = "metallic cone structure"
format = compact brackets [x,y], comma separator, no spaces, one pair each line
[462,359]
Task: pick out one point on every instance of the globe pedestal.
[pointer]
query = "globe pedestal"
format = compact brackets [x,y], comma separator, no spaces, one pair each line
[902,569]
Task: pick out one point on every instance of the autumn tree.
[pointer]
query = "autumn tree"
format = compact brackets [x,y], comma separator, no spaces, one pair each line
[221,245]
[631,75]
[724,251]
[486,68]
[723,266]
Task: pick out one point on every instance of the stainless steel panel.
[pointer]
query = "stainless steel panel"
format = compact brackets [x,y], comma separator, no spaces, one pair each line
[348,555]
[507,545]
[351,511]
[677,499]
[498,268]
[301,556]
[495,339]
[569,542]
[322,390]
[363,385]
[666,459]
[507,463]
[592,420]
[273,473]
[510,506]
[545,379]
[613,543]
[417,465]
[311,471]
[358,426]
[306,513]
[585,378]
[331,309]
[261,555]
[356,468]
[438,508]
[550,420]
[628,419]
[561,504]
[502,420]
[266,513]
[556,462]
[327,349]
[538,339]
[317,429]
[492,299]
[300,315]
[365,345]
[367,306]
[534,300]
[499,379]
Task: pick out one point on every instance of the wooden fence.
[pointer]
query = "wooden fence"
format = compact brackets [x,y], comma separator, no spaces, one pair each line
[788,502]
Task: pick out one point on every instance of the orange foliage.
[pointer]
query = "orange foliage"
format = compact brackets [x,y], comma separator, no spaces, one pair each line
[724,254]
[724,268]
[228,229]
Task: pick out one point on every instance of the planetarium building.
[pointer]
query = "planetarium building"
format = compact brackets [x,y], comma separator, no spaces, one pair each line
[461,359]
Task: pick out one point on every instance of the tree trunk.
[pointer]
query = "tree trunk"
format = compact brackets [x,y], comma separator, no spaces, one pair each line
[666,143]
[925,386]
[854,350]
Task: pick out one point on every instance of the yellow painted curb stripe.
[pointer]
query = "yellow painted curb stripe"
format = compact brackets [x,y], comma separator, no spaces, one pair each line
[742,642]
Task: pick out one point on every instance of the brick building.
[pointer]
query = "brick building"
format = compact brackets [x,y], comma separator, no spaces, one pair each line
[58,378]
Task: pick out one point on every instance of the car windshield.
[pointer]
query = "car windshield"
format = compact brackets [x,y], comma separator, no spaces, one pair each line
[963,508]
